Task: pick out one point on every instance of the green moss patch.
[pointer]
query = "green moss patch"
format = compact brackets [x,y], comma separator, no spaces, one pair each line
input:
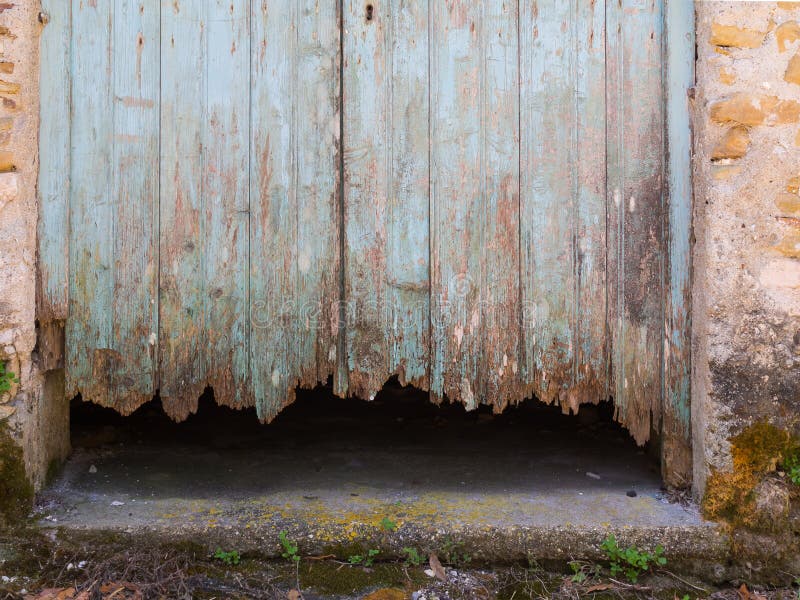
[16,492]
[757,452]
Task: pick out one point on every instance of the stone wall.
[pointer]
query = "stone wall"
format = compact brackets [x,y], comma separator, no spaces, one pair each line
[746,304]
[35,420]
[747,225]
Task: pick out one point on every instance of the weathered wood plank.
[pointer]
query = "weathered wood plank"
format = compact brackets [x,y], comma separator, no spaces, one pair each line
[183,238]
[226,171]
[295,222]
[591,355]
[500,261]
[132,362]
[54,161]
[475,217]
[676,429]
[386,193]
[635,216]
[91,211]
[549,161]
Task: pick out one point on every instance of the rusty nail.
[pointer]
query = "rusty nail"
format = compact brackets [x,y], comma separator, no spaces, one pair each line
[44,18]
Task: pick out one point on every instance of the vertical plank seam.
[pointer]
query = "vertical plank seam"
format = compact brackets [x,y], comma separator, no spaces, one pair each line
[606,329]
[387,314]
[157,216]
[622,401]
[480,361]
[202,199]
[341,325]
[294,17]
[248,271]
[573,165]
[431,221]
[114,178]
[70,159]
[521,345]
[664,233]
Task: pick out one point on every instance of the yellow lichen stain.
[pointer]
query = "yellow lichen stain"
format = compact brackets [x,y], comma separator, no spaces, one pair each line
[756,452]
[734,144]
[792,74]
[788,204]
[786,33]
[730,35]
[727,76]
[723,172]
[790,245]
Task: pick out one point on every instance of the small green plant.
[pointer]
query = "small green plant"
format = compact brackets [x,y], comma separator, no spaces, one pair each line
[367,560]
[413,557]
[631,561]
[7,379]
[583,571]
[229,558]
[578,574]
[792,467]
[388,524]
[453,554]
[289,547]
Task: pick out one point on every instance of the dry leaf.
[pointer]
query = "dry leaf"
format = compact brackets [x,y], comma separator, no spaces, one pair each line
[294,595]
[437,568]
[53,594]
[744,593]
[600,587]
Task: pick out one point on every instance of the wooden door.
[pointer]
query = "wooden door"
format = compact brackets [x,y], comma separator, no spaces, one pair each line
[256,195]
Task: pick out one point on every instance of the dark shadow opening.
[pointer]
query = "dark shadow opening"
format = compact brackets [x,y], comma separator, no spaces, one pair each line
[399,442]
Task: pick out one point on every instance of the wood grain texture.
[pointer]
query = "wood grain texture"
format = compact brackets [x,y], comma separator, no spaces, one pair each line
[183,236]
[110,335]
[226,164]
[134,314]
[548,204]
[469,196]
[294,221]
[386,194]
[474,203]
[563,250]
[54,157]
[91,210]
[635,210]
[676,428]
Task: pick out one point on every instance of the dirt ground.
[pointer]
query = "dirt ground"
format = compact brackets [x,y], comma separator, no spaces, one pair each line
[38,564]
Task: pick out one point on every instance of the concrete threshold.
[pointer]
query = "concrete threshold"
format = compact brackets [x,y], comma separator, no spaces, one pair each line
[496,489]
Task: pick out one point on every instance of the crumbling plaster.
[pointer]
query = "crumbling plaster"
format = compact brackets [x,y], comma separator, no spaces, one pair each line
[746,304]
[36,419]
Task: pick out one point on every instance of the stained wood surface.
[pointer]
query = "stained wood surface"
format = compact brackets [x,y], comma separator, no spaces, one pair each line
[469,196]
[386,222]
[54,168]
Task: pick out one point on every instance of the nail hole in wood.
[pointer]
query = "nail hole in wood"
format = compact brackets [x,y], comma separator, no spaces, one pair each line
[370,10]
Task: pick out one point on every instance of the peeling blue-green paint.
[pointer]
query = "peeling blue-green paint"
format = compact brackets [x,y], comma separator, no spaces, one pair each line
[473,197]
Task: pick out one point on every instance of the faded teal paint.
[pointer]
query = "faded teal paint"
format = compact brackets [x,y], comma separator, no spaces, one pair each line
[263,195]
[635,209]
[91,210]
[294,197]
[680,56]
[680,63]
[54,155]
[386,194]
